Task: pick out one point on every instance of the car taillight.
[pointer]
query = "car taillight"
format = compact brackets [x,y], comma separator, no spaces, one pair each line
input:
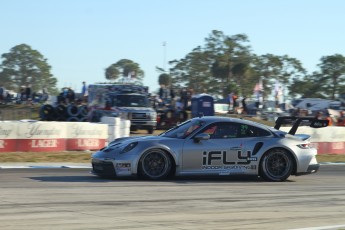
[304,146]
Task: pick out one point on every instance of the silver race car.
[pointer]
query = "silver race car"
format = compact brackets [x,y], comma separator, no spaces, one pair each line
[208,146]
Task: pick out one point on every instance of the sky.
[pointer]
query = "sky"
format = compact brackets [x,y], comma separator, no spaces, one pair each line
[81,38]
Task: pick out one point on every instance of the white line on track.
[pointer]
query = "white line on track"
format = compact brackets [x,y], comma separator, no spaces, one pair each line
[322,228]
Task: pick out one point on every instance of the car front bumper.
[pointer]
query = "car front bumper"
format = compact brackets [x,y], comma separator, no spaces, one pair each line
[111,168]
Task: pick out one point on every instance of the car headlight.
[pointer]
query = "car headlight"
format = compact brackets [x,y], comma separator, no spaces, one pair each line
[129,147]
[153,115]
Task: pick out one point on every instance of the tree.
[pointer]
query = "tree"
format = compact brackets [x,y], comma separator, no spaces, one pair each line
[231,60]
[271,67]
[333,74]
[124,68]
[193,71]
[24,65]
[164,79]
[308,87]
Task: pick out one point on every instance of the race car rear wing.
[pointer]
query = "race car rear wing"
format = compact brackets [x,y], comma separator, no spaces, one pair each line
[296,121]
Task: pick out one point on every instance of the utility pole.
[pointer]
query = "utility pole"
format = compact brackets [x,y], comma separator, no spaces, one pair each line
[164,54]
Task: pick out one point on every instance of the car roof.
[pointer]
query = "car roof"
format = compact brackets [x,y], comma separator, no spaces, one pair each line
[210,119]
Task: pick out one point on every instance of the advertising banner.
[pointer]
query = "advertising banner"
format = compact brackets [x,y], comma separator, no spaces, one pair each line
[41,136]
[86,136]
[8,136]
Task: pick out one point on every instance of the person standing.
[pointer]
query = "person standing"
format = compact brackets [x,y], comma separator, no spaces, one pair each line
[28,92]
[84,92]
[2,93]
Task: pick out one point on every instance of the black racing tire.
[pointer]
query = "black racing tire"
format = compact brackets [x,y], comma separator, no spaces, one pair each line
[47,113]
[83,111]
[276,165]
[61,112]
[72,110]
[155,164]
[150,130]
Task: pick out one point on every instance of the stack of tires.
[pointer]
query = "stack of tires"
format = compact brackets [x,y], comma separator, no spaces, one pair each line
[73,113]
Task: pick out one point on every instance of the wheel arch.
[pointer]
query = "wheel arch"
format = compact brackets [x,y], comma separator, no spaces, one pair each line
[166,150]
[293,156]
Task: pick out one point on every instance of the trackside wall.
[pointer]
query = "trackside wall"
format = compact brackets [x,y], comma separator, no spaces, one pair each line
[41,136]
[328,140]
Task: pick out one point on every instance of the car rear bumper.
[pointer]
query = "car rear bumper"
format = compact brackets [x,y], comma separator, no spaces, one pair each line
[311,169]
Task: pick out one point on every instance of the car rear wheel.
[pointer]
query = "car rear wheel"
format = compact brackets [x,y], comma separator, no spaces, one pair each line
[155,164]
[276,165]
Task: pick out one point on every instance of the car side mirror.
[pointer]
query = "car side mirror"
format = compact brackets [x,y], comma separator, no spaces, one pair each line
[201,136]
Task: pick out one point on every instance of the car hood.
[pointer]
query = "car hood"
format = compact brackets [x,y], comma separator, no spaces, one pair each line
[124,140]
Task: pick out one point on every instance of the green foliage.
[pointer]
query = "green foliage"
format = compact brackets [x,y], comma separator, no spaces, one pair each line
[24,65]
[164,79]
[226,63]
[124,68]
[333,74]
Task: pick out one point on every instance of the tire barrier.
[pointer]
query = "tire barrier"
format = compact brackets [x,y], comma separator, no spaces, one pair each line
[72,113]
[48,113]
[62,113]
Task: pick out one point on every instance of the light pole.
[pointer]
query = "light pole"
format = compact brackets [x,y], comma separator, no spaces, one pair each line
[164,54]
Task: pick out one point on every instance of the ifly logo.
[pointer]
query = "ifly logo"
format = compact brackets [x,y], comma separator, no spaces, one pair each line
[221,157]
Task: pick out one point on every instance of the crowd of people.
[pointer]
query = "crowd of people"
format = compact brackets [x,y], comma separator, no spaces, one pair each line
[25,95]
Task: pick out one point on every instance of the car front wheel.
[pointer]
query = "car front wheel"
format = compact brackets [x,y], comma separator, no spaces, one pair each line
[155,164]
[276,165]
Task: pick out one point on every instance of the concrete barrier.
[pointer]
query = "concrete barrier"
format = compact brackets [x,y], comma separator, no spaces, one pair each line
[51,136]
[328,140]
[38,136]
[117,127]
[8,136]
[85,136]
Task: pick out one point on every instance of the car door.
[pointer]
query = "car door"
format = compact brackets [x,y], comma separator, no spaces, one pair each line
[209,156]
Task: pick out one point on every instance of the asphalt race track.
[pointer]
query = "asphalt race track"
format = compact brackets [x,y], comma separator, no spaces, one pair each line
[60,198]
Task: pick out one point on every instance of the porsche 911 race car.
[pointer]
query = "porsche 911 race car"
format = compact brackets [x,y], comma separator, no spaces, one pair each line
[212,145]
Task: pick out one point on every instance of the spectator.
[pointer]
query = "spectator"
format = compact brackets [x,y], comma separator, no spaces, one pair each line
[84,92]
[70,95]
[234,101]
[2,94]
[244,105]
[341,119]
[22,93]
[28,92]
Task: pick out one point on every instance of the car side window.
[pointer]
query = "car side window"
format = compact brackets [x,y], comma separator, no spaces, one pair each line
[252,131]
[222,130]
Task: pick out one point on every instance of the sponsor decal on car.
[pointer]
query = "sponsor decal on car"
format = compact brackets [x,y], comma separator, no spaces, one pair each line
[211,160]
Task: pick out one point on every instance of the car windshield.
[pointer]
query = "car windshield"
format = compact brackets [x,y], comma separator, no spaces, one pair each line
[130,101]
[183,130]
